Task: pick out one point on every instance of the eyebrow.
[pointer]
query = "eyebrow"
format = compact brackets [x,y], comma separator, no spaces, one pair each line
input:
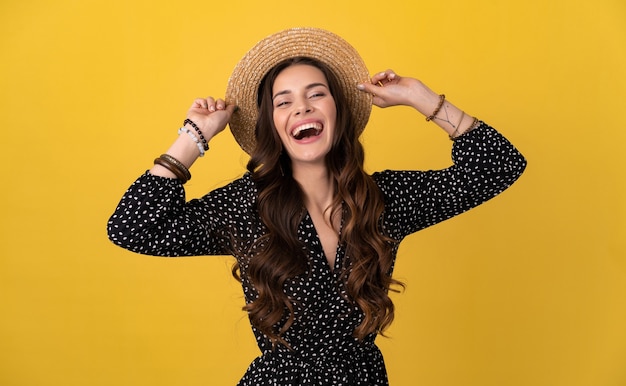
[308,87]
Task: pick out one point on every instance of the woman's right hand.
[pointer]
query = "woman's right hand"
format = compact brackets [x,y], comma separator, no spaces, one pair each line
[210,115]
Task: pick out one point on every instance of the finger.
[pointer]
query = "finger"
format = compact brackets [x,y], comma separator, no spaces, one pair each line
[369,88]
[231,108]
[220,104]
[376,78]
[384,77]
[210,103]
[199,103]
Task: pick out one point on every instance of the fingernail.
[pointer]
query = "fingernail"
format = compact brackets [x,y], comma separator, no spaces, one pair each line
[360,87]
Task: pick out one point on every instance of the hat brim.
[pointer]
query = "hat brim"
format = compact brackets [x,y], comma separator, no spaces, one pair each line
[314,43]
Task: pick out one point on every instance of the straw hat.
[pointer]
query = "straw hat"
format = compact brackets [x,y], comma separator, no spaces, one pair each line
[314,43]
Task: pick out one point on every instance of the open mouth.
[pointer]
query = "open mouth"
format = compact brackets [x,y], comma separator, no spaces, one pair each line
[307,130]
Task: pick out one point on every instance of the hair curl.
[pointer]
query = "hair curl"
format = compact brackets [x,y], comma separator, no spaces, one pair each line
[369,252]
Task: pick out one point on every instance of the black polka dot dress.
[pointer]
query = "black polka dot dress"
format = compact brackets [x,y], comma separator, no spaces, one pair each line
[154,218]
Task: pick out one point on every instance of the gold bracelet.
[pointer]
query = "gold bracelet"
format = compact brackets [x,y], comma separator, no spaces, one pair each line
[470,128]
[456,130]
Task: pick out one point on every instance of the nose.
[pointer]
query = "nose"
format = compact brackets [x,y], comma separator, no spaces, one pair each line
[303,107]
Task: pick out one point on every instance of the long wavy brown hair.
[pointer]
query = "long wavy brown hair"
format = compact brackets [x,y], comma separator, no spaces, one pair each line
[369,257]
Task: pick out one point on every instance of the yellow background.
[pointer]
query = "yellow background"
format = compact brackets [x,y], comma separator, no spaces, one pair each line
[528,289]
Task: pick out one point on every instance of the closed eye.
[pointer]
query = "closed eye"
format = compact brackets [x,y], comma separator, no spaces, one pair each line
[281,104]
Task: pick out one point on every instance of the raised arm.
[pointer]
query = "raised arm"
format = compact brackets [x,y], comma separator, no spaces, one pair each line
[391,89]
[484,162]
[153,216]
[206,118]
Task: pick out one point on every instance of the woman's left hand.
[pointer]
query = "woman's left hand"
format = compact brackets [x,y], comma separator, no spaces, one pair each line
[391,89]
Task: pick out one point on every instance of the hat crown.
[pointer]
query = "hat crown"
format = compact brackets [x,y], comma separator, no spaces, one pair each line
[315,43]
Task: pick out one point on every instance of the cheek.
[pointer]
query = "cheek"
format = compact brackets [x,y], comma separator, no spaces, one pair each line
[278,119]
[279,124]
[332,114]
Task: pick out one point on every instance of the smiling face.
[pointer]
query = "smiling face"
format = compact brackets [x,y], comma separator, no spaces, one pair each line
[304,113]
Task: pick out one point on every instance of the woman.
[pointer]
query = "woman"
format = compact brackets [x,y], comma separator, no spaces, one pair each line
[314,236]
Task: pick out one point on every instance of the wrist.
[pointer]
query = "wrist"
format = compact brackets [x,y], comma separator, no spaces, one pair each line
[169,163]
[423,99]
[202,142]
[185,149]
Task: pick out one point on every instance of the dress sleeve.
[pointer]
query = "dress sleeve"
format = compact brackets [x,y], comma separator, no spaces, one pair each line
[484,164]
[153,218]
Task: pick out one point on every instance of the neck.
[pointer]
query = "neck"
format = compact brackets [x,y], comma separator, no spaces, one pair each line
[316,185]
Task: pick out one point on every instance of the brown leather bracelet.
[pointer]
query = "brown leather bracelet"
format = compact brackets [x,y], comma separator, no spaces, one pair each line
[174,166]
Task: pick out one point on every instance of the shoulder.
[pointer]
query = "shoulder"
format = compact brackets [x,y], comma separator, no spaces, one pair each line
[239,191]
[388,180]
[242,185]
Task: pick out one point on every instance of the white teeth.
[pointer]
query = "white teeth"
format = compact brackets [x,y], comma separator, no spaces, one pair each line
[298,130]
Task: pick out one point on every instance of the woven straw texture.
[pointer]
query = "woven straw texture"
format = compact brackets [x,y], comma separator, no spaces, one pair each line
[315,43]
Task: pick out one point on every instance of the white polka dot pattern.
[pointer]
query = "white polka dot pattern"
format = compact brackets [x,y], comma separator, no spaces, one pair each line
[153,218]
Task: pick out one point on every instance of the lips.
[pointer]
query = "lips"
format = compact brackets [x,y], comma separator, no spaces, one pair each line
[305,130]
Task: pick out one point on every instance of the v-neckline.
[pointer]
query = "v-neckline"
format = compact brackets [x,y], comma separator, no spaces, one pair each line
[336,263]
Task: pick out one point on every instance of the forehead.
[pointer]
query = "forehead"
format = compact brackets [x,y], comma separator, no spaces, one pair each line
[299,75]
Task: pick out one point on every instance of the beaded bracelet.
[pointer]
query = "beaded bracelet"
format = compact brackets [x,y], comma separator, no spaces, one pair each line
[193,138]
[175,166]
[197,129]
[442,98]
